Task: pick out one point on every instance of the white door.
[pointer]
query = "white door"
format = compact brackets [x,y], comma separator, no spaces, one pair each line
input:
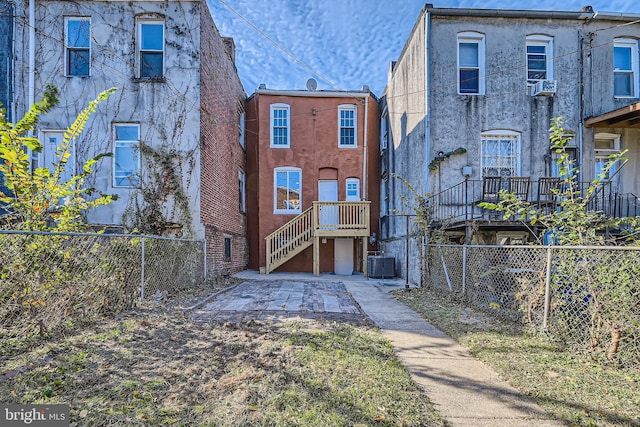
[343,257]
[328,215]
[51,140]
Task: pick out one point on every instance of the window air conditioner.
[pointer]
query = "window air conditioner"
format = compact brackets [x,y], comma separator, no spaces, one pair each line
[544,87]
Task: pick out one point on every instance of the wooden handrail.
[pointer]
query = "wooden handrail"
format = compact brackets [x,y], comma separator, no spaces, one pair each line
[288,238]
[326,219]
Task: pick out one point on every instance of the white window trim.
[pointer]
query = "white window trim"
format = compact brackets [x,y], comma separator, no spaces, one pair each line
[241,128]
[355,181]
[67,68]
[242,182]
[502,133]
[354,108]
[478,38]
[276,210]
[133,143]
[139,50]
[633,45]
[610,137]
[384,132]
[547,42]
[280,106]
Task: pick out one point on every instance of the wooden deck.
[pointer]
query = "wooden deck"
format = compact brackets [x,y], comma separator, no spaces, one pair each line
[321,220]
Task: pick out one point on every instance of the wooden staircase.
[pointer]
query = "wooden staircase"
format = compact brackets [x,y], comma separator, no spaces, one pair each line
[322,219]
[289,240]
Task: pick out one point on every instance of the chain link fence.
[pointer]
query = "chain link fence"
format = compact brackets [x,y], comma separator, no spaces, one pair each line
[587,298]
[50,280]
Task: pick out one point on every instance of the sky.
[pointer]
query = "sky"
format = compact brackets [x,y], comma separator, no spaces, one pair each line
[342,44]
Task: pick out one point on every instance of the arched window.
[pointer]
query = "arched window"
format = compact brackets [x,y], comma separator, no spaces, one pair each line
[500,153]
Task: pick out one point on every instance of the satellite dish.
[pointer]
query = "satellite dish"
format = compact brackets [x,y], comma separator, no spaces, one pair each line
[312,84]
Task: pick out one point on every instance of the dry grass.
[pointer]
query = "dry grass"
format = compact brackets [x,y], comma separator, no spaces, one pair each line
[571,388]
[155,366]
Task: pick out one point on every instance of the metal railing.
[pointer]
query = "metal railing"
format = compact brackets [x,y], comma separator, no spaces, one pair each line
[51,278]
[460,202]
[585,297]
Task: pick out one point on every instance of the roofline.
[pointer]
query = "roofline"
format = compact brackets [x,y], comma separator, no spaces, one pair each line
[586,12]
[315,93]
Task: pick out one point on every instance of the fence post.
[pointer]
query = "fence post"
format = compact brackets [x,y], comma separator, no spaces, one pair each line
[464,271]
[142,273]
[204,263]
[547,289]
[406,285]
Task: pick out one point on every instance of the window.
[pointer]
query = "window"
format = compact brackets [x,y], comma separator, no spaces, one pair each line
[353,190]
[280,125]
[287,190]
[150,49]
[605,144]
[471,63]
[77,44]
[242,186]
[384,199]
[241,120]
[625,68]
[347,126]
[384,132]
[500,153]
[227,248]
[126,156]
[539,58]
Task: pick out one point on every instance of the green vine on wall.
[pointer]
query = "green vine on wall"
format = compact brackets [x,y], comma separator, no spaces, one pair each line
[146,214]
[442,156]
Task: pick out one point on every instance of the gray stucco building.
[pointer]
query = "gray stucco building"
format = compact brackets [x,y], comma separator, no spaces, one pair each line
[6,69]
[473,93]
[176,114]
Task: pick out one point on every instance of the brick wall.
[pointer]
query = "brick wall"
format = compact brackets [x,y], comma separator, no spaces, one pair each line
[222,156]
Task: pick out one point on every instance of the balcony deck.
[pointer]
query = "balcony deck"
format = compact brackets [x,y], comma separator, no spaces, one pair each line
[458,206]
[321,220]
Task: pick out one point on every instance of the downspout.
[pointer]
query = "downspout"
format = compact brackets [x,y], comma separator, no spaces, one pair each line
[427,118]
[364,146]
[32,54]
[581,105]
[364,185]
[31,96]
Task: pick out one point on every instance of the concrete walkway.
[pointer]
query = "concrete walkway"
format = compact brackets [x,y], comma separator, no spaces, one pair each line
[464,391]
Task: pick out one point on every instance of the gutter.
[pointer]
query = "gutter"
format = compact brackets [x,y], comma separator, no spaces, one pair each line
[585,13]
[314,94]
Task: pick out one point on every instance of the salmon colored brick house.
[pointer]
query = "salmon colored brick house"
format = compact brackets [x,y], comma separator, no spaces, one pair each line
[312,179]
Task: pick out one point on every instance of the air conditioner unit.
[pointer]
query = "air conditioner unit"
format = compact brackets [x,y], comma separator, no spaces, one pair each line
[544,87]
[381,266]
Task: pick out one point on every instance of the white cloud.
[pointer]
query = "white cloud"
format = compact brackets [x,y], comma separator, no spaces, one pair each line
[350,43]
